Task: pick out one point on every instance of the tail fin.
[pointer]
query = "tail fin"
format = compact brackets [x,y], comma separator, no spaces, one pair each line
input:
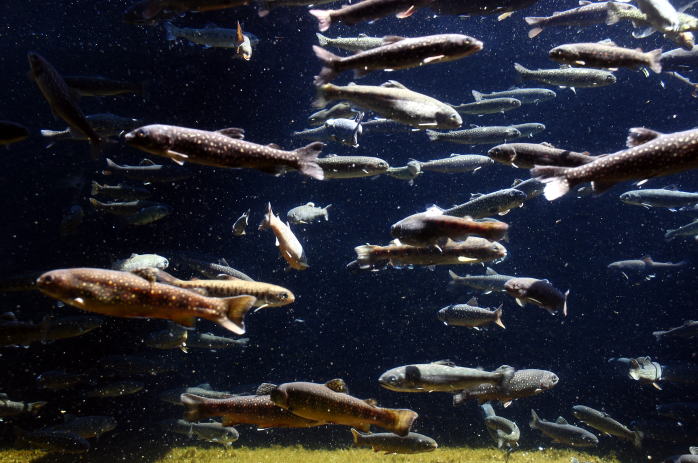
[307,160]
[54,133]
[323,95]
[453,275]
[654,58]
[612,16]
[169,29]
[96,204]
[324,18]
[322,40]
[402,421]
[557,184]
[236,309]
[658,335]
[433,135]
[266,222]
[357,437]
[95,188]
[498,317]
[34,407]
[637,438]
[193,405]
[669,235]
[477,95]
[534,420]
[520,69]
[329,65]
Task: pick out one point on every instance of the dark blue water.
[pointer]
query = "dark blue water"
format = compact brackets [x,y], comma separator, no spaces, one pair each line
[354,326]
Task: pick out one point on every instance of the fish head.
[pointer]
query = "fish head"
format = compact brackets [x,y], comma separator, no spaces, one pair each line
[280,397]
[282,297]
[609,78]
[414,167]
[469,45]
[516,196]
[382,165]
[629,197]
[64,284]
[426,444]
[497,249]
[502,153]
[512,132]
[564,53]
[394,380]
[448,119]
[153,138]
[443,313]
[37,64]
[548,380]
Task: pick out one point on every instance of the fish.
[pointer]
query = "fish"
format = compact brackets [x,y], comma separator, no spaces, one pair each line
[529,129]
[385,126]
[456,163]
[148,171]
[690,229]
[208,432]
[218,150]
[120,192]
[689,329]
[87,427]
[660,197]
[586,14]
[352,166]
[441,376]
[289,247]
[367,10]
[102,86]
[644,265]
[210,341]
[61,99]
[498,202]
[409,172]
[123,294]
[389,443]
[606,55]
[685,412]
[691,457]
[256,410]
[149,214]
[344,131]
[476,136]
[341,110]
[661,14]
[140,261]
[12,132]
[643,369]
[210,269]
[524,383]
[649,154]
[70,327]
[568,77]
[54,441]
[24,333]
[173,337]
[502,430]
[529,155]
[60,380]
[354,44]
[267,5]
[106,125]
[241,223]
[433,227]
[117,389]
[308,213]
[604,423]
[214,37]
[562,432]
[470,315]
[205,390]
[490,282]
[680,36]
[538,292]
[121,208]
[14,408]
[397,53]
[331,403]
[679,59]
[532,188]
[472,250]
[524,95]
[393,100]
[488,106]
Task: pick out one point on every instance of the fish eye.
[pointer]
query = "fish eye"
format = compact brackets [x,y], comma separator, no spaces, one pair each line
[282,296]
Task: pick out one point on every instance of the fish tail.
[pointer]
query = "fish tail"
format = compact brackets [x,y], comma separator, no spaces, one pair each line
[193,407]
[266,221]
[402,421]
[96,187]
[324,18]
[612,16]
[658,335]
[557,184]
[498,317]
[637,438]
[534,419]
[521,70]
[534,21]
[356,435]
[325,93]
[433,135]
[454,276]
[322,40]
[669,235]
[329,65]
[460,398]
[364,255]
[307,160]
[96,204]
[170,30]
[34,407]
[236,309]
[654,60]
[477,96]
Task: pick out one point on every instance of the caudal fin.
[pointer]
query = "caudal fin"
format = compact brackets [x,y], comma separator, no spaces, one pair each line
[534,21]
[477,96]
[34,407]
[534,419]
[321,39]
[236,309]
[637,438]
[96,187]
[521,70]
[329,65]
[402,421]
[193,407]
[356,435]
[307,160]
[556,184]
[654,60]
[498,317]
[324,18]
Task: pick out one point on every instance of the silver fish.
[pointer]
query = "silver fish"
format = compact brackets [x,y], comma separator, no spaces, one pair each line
[568,77]
[441,376]
[563,432]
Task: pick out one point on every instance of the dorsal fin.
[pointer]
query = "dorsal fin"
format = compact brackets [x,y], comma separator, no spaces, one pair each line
[472,301]
[388,39]
[146,162]
[393,84]
[337,385]
[445,362]
[265,389]
[491,271]
[639,135]
[371,402]
[561,420]
[232,132]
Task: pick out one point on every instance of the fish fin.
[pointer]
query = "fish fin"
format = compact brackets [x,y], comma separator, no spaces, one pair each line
[498,317]
[322,40]
[557,184]
[393,84]
[637,438]
[453,275]
[239,36]
[564,307]
[178,158]
[329,65]
[193,407]
[236,308]
[507,403]
[232,132]
[561,420]
[265,388]
[520,302]
[491,271]
[639,135]
[534,32]
[444,362]
[472,301]
[390,39]
[356,435]
[402,421]
[337,385]
[505,15]
[431,59]
[407,13]
[371,402]
[34,407]
[307,157]
[324,18]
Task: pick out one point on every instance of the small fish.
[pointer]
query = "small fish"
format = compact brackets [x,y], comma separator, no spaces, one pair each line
[120,208]
[529,155]
[568,77]
[605,55]
[603,422]
[174,337]
[393,100]
[681,35]
[690,229]
[644,265]
[214,37]
[488,106]
[353,44]
[330,403]
[529,129]
[120,192]
[70,327]
[367,10]
[308,213]
[562,432]
[502,430]
[140,261]
[538,292]
[397,53]
[14,408]
[210,341]
[689,329]
[661,14]
[102,86]
[208,432]
[490,282]
[470,315]
[524,95]
[59,380]
[289,246]
[660,197]
[148,171]
[352,166]
[441,376]
[106,125]
[433,227]
[649,154]
[54,441]
[524,383]
[586,14]
[241,223]
[12,132]
[122,294]
[87,427]
[338,111]
[344,131]
[456,163]
[117,389]
[389,443]
[532,188]
[476,135]
[498,202]
[215,149]
[679,59]
[149,214]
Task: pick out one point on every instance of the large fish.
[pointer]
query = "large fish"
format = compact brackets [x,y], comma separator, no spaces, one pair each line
[528,155]
[441,376]
[123,294]
[562,432]
[538,292]
[649,154]
[586,14]
[603,422]
[389,443]
[367,10]
[433,227]
[470,315]
[568,77]
[606,55]
[524,383]
[216,149]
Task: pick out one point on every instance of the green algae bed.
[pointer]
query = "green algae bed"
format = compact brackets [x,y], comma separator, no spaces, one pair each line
[193,454]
